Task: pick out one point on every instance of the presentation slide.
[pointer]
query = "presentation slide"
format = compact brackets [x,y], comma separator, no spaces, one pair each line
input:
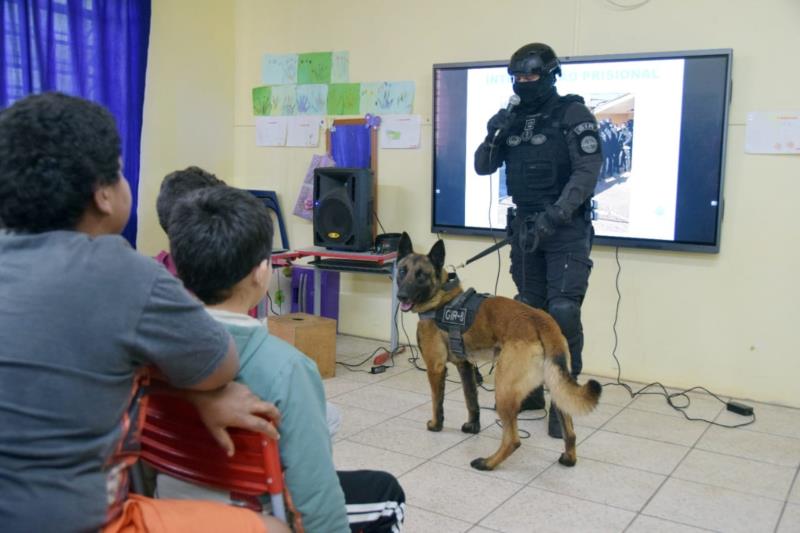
[638,106]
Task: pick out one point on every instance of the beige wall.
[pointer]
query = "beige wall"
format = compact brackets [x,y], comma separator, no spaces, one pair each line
[723,321]
[189,100]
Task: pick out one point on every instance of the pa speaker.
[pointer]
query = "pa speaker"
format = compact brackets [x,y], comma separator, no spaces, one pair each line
[343,208]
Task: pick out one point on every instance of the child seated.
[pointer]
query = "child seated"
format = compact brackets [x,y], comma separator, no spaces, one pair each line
[81,315]
[221,242]
[175,186]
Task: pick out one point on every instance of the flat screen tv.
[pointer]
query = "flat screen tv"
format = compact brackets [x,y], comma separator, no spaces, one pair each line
[663,122]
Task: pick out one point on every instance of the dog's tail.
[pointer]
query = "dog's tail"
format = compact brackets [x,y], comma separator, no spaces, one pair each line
[573,399]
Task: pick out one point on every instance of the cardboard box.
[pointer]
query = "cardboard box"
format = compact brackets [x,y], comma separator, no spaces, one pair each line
[313,335]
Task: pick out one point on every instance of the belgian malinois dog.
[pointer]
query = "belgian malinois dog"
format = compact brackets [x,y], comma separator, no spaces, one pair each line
[526,344]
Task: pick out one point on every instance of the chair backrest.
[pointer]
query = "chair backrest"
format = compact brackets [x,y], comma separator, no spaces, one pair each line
[175,441]
[270,200]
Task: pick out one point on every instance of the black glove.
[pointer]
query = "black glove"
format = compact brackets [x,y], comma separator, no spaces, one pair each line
[548,220]
[502,121]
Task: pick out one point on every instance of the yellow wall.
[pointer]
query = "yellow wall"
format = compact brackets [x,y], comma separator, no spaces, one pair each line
[189,101]
[723,321]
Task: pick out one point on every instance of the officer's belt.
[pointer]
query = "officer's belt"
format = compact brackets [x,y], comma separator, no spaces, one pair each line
[456,317]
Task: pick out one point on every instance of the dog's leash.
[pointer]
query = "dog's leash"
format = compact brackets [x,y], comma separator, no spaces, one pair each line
[527,247]
[486,252]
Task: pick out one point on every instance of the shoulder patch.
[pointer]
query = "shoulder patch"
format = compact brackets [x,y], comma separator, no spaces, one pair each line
[588,142]
[584,126]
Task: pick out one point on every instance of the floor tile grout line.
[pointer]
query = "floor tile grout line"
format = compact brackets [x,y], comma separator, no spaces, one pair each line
[528,484]
[482,527]
[499,505]
[666,479]
[737,491]
[669,415]
[601,427]
[383,449]
[630,404]
[471,525]
[521,485]
[581,498]
[616,432]
[671,521]
[628,467]
[786,501]
[693,446]
[743,457]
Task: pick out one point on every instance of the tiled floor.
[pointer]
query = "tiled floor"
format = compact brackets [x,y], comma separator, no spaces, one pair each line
[641,466]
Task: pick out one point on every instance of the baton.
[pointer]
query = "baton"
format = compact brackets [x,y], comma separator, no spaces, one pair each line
[492,248]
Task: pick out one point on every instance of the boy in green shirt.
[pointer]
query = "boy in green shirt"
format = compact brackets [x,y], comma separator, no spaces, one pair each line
[221,242]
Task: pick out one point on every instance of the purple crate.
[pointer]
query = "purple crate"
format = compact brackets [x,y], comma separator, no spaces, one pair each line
[303,292]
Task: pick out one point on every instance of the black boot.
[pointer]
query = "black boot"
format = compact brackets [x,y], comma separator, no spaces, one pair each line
[534,400]
[554,423]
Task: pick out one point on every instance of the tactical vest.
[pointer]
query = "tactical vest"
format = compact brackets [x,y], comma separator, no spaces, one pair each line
[537,158]
[456,317]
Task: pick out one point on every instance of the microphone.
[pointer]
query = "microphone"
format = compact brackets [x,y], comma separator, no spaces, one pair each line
[513,101]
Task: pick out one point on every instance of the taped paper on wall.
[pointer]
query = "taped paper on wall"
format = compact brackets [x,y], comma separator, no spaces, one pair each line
[271,131]
[262,101]
[312,99]
[284,100]
[344,98]
[340,67]
[279,69]
[773,132]
[387,97]
[303,130]
[314,67]
[400,131]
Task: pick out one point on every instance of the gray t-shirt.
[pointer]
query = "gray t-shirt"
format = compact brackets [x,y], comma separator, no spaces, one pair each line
[78,317]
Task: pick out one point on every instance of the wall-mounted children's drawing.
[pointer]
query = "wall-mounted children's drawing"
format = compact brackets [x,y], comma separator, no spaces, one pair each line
[284,100]
[340,67]
[344,98]
[317,83]
[312,99]
[303,131]
[314,67]
[262,101]
[388,97]
[279,69]
[271,131]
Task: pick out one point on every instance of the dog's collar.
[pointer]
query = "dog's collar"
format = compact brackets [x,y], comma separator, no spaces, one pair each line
[451,283]
[430,314]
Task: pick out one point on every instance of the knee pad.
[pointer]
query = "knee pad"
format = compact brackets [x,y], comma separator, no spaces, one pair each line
[568,315]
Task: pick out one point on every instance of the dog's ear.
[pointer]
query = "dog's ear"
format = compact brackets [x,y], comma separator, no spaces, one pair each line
[436,255]
[404,247]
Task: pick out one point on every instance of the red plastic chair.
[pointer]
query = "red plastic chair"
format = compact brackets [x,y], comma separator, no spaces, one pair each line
[175,441]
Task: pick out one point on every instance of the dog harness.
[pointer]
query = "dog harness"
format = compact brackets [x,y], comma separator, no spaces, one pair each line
[456,316]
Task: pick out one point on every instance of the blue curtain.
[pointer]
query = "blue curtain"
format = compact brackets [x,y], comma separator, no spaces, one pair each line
[95,49]
[350,146]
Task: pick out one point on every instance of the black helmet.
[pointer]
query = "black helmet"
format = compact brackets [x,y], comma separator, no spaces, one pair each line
[534,58]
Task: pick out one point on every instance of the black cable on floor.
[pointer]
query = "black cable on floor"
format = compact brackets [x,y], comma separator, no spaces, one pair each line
[668,396]
[353,367]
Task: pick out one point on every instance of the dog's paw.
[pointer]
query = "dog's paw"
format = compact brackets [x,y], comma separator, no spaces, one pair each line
[479,464]
[434,426]
[471,427]
[566,460]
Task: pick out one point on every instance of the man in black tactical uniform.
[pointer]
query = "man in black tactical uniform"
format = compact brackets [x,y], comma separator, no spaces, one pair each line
[551,149]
